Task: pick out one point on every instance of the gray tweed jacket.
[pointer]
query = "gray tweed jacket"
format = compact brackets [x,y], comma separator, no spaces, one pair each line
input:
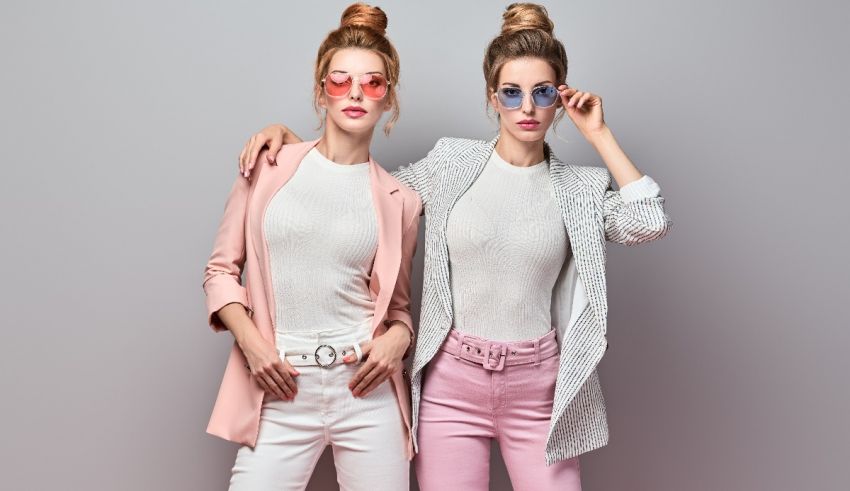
[593,213]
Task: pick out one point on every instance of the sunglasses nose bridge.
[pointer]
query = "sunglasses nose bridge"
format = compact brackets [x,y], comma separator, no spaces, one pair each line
[527,105]
[355,92]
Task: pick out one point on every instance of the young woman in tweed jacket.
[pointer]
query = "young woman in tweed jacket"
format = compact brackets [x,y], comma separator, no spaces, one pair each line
[514,307]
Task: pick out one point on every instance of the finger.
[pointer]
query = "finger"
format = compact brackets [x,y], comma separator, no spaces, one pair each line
[273,385]
[574,98]
[242,160]
[262,383]
[251,151]
[254,148]
[247,164]
[583,100]
[367,379]
[365,369]
[274,147]
[566,94]
[375,384]
[366,347]
[280,385]
[286,377]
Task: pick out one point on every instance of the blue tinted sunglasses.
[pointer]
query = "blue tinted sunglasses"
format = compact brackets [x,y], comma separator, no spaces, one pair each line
[542,96]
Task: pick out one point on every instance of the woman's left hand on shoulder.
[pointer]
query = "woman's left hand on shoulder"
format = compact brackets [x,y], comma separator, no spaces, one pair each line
[383,357]
[584,109]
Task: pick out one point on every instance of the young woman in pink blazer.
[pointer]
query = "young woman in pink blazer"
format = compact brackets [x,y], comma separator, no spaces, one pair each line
[325,240]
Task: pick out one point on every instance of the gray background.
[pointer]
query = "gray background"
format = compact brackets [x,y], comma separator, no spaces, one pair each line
[121,123]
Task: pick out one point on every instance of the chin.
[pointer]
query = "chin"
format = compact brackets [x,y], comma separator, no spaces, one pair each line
[529,136]
[355,126]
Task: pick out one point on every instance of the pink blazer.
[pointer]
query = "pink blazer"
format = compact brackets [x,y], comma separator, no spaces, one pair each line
[240,245]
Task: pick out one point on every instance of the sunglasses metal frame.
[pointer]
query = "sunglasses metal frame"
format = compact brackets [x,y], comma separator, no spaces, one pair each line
[500,95]
[355,79]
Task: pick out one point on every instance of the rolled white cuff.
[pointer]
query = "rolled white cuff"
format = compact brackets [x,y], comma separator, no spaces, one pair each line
[645,187]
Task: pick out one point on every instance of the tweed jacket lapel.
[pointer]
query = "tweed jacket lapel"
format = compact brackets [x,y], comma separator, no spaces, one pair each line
[580,204]
[466,170]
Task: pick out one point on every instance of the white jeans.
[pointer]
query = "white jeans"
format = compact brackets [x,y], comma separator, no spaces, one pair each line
[366,434]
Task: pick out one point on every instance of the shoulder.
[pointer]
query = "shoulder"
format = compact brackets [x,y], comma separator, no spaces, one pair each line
[588,176]
[453,147]
[412,202]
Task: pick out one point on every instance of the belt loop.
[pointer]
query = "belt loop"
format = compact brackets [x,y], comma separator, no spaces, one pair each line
[460,338]
[536,351]
[357,351]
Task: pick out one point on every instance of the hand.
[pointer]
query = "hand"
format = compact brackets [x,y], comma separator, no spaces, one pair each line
[275,376]
[273,137]
[383,359]
[584,109]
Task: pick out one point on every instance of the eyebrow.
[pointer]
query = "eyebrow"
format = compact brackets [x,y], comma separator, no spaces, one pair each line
[365,73]
[511,84]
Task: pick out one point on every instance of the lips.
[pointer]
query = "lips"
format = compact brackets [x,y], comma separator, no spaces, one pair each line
[354,112]
[529,124]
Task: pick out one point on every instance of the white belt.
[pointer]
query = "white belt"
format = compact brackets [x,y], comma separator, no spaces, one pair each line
[324,355]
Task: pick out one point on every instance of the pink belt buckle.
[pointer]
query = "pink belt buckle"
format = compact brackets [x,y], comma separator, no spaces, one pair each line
[487,359]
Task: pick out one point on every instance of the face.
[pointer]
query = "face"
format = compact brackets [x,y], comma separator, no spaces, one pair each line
[350,92]
[528,79]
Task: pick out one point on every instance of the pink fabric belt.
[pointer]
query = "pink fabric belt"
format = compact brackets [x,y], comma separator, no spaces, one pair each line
[495,355]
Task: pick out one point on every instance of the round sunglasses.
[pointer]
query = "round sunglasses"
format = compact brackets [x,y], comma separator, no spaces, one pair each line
[372,85]
[542,96]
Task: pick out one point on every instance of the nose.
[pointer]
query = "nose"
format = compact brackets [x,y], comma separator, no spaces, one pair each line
[355,93]
[527,103]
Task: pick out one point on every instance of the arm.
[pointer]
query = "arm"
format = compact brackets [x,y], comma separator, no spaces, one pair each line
[223,273]
[228,304]
[635,214]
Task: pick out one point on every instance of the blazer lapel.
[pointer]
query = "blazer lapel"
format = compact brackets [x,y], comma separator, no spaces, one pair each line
[389,208]
[464,172]
[586,233]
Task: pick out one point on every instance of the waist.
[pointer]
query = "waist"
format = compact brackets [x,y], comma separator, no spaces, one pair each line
[495,355]
[290,340]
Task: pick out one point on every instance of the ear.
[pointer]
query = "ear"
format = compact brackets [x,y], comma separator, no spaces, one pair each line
[494,99]
[321,100]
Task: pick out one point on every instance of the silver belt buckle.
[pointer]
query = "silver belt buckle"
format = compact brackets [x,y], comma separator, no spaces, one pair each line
[329,352]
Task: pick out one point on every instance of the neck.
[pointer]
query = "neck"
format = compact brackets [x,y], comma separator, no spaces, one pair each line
[517,152]
[342,147]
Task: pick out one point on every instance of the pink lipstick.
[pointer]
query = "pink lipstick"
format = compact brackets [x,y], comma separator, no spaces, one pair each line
[354,112]
[529,124]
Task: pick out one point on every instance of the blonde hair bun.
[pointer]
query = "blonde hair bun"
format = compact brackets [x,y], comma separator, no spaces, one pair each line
[522,16]
[363,15]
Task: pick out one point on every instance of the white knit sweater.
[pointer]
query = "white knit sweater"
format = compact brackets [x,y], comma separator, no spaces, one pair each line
[507,245]
[322,235]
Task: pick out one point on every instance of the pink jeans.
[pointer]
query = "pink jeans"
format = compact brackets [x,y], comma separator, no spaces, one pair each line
[476,390]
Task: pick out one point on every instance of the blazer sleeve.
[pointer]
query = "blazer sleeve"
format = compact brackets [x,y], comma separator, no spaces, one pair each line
[418,176]
[399,308]
[635,214]
[223,273]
